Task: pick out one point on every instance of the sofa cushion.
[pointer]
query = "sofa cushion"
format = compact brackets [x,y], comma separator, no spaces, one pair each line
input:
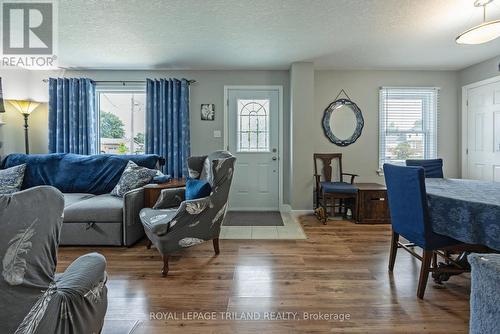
[158,221]
[101,208]
[72,198]
[73,173]
[197,189]
[339,187]
[133,177]
[97,233]
[11,179]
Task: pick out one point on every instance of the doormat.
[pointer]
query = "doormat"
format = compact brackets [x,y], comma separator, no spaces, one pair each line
[253,218]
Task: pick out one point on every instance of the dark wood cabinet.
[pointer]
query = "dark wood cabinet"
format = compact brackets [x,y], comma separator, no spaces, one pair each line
[372,206]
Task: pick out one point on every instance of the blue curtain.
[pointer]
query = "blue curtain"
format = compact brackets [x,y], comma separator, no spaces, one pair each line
[72,116]
[167,123]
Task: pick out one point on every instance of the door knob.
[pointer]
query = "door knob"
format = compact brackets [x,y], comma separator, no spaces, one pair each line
[275,158]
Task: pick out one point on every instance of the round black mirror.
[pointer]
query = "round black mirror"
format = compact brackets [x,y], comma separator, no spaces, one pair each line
[343,122]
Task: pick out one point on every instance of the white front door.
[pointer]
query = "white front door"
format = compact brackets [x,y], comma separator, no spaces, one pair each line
[483,132]
[253,137]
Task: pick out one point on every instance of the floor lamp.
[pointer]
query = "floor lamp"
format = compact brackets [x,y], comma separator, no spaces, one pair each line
[25,108]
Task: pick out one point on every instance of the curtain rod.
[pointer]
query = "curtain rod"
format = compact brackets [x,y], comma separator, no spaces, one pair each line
[123,81]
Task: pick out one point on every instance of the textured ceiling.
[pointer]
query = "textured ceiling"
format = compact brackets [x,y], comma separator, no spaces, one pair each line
[269,34]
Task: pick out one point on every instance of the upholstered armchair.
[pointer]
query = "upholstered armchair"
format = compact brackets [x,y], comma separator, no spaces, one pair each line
[33,299]
[175,223]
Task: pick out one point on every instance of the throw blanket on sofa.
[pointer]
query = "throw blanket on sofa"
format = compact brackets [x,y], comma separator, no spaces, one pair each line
[73,173]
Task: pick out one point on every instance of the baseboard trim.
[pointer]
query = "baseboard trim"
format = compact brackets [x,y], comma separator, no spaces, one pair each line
[285,208]
[302,212]
[253,209]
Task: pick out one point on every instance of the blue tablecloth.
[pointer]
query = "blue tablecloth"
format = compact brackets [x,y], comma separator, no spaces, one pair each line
[466,210]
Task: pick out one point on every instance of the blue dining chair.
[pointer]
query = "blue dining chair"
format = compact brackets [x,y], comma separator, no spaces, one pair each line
[433,167]
[410,219]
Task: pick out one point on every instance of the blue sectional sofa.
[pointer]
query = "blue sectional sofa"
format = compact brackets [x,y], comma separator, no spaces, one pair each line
[91,215]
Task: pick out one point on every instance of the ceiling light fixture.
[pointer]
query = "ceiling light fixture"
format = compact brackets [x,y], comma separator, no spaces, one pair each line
[485,32]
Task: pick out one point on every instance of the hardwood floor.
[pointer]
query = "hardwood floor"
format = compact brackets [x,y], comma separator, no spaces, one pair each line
[341,268]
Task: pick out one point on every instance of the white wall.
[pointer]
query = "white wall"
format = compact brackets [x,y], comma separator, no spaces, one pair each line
[484,70]
[17,85]
[209,88]
[308,103]
[478,72]
[363,88]
[302,129]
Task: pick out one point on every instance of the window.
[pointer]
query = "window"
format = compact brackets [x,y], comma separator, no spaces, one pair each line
[253,126]
[408,124]
[121,121]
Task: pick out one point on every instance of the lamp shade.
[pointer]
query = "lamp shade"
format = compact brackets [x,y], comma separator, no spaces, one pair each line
[24,107]
[482,33]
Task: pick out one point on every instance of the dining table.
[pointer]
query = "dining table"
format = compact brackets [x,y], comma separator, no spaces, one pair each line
[465,210]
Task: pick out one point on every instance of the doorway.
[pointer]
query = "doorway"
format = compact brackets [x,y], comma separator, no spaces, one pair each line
[481,130]
[253,133]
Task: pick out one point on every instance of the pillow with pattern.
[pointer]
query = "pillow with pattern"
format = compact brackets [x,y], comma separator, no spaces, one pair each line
[133,177]
[11,179]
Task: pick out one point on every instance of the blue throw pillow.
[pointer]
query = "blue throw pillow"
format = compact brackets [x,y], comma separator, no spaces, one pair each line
[158,179]
[197,188]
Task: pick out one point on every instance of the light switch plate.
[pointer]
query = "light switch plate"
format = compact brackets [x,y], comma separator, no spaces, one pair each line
[217,133]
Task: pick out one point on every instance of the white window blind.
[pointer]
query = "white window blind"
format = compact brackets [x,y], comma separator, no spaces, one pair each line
[408,124]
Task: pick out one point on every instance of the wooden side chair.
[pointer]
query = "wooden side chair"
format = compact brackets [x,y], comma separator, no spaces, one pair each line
[410,219]
[331,192]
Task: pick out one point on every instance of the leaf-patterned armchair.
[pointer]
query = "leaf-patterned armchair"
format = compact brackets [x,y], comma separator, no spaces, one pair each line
[174,223]
[33,299]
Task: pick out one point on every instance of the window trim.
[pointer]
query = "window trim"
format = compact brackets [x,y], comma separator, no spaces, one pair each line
[430,142]
[238,128]
[114,88]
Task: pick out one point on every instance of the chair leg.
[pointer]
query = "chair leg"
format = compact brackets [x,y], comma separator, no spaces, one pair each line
[325,212]
[447,254]
[354,209]
[434,260]
[424,273]
[394,250]
[216,246]
[164,271]
[148,244]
